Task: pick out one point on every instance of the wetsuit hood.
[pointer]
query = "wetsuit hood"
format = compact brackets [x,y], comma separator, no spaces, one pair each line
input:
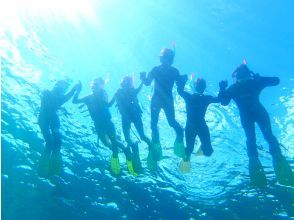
[167,56]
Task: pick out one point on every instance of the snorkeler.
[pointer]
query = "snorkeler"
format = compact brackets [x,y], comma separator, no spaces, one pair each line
[130,110]
[196,106]
[245,92]
[98,107]
[164,77]
[48,120]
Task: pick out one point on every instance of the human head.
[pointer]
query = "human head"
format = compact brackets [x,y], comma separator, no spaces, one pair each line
[127,82]
[60,87]
[97,84]
[241,73]
[167,56]
[200,85]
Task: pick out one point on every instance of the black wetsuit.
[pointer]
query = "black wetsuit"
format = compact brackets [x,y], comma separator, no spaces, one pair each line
[130,110]
[48,119]
[98,107]
[164,78]
[246,96]
[196,106]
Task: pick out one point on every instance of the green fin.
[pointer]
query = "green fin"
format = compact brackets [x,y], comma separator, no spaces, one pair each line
[130,168]
[151,162]
[137,163]
[114,165]
[43,168]
[156,151]
[185,166]
[256,173]
[179,149]
[55,166]
[283,171]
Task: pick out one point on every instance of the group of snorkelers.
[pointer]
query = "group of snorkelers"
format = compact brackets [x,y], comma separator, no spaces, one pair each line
[244,91]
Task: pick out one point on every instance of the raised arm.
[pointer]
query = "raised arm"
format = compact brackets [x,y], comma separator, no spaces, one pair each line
[266,81]
[139,87]
[181,85]
[214,99]
[70,94]
[76,99]
[224,95]
[147,80]
[112,101]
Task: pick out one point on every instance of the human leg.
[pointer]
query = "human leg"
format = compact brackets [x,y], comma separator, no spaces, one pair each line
[204,136]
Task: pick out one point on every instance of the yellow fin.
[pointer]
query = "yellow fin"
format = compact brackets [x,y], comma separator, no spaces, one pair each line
[130,168]
[185,166]
[114,165]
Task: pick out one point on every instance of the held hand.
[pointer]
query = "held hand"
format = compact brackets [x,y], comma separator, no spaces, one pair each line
[115,94]
[182,81]
[255,75]
[223,84]
[143,76]
[78,86]
[184,78]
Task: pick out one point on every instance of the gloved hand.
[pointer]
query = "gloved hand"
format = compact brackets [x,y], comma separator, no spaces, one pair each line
[223,84]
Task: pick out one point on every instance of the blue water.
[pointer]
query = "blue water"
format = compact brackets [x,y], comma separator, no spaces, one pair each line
[42,42]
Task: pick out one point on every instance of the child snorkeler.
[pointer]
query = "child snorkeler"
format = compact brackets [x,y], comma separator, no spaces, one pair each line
[196,106]
[98,107]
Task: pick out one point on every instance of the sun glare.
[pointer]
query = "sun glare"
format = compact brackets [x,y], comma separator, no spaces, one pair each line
[13,11]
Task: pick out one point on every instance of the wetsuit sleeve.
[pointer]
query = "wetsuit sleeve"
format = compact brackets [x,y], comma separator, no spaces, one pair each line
[104,96]
[185,95]
[112,101]
[77,100]
[213,99]
[150,77]
[68,96]
[177,77]
[139,88]
[267,81]
[181,82]
[225,96]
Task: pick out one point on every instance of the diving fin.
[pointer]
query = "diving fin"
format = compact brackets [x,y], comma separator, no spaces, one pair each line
[131,168]
[156,151]
[114,165]
[43,168]
[256,173]
[185,166]
[137,163]
[179,149]
[55,166]
[151,162]
[283,171]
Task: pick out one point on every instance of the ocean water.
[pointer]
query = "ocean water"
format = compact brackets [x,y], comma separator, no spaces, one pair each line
[43,41]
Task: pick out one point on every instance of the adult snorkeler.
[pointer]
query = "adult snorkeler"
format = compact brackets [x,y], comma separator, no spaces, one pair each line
[48,120]
[245,92]
[164,77]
